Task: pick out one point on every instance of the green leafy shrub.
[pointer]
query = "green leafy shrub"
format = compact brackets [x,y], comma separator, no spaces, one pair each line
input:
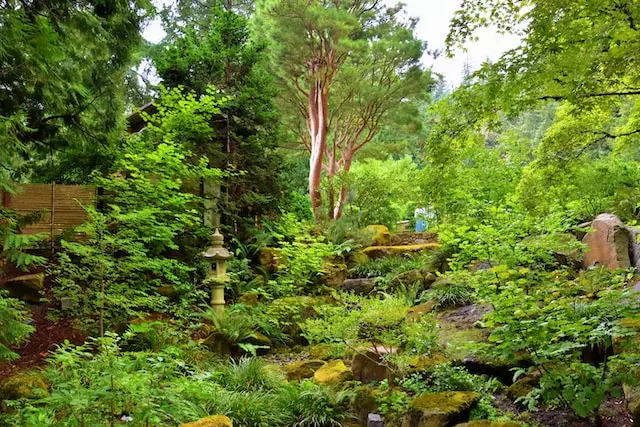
[96,383]
[553,332]
[450,296]
[135,249]
[15,245]
[14,330]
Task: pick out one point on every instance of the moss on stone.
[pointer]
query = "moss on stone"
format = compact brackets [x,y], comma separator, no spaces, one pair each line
[379,235]
[333,372]
[488,423]
[448,402]
[329,351]
[212,421]
[523,386]
[302,369]
[416,312]
[24,386]
[29,288]
[455,339]
[373,252]
[426,363]
[440,409]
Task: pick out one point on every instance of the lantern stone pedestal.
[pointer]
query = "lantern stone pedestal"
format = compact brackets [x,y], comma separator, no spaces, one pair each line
[217,256]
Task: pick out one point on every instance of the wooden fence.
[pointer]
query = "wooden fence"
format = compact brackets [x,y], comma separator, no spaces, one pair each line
[62,205]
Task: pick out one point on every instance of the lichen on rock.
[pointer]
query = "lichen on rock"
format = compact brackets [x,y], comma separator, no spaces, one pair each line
[24,386]
[333,372]
[440,409]
[212,421]
[302,369]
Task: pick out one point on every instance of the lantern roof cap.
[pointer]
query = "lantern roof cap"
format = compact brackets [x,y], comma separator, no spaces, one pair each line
[216,251]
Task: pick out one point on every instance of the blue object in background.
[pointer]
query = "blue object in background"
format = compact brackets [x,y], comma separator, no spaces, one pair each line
[421,225]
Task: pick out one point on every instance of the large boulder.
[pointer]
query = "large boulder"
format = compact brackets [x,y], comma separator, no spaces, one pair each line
[374,252]
[440,409]
[29,288]
[370,365]
[333,372]
[334,272]
[608,243]
[358,286]
[24,386]
[212,421]
[302,369]
[634,248]
[378,235]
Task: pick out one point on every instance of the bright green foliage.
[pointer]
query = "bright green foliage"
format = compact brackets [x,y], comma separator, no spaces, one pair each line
[303,255]
[149,215]
[345,67]
[15,244]
[97,382]
[211,46]
[384,192]
[358,321]
[553,331]
[64,64]
[14,330]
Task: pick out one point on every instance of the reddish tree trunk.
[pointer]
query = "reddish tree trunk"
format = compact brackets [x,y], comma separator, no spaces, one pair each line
[318,126]
[344,190]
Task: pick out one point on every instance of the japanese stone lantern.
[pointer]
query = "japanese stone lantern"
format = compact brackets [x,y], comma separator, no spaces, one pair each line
[217,256]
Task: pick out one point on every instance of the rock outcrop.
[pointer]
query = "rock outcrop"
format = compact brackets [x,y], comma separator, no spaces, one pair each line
[358,286]
[333,372]
[302,369]
[608,243]
[28,288]
[369,365]
[440,409]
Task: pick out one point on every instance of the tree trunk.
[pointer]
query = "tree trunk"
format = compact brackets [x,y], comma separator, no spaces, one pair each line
[317,124]
[344,190]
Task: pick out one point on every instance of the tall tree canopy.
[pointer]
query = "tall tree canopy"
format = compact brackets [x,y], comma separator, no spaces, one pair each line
[581,54]
[215,49]
[344,66]
[61,82]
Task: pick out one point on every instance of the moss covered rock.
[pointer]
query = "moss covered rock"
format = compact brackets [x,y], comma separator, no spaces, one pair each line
[440,409]
[523,386]
[29,288]
[369,365]
[373,252]
[333,372]
[416,312]
[409,278]
[365,403]
[24,386]
[212,421]
[302,369]
[362,286]
[328,351]
[249,299]
[378,235]
[488,423]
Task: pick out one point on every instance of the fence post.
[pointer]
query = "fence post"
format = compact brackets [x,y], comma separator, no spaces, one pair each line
[52,215]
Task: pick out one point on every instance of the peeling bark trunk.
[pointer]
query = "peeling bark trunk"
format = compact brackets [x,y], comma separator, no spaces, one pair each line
[344,190]
[318,127]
